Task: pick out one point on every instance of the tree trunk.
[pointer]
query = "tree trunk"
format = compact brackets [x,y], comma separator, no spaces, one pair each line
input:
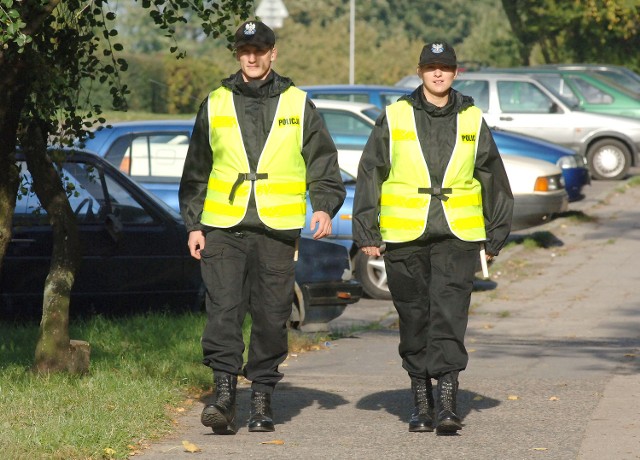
[519,29]
[8,191]
[13,90]
[54,352]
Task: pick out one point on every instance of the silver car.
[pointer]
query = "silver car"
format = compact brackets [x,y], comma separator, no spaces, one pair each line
[611,144]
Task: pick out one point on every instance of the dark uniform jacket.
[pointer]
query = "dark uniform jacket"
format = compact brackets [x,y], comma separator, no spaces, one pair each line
[256,104]
[437,130]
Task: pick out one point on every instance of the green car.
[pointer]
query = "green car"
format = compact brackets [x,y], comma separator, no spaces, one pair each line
[620,75]
[585,89]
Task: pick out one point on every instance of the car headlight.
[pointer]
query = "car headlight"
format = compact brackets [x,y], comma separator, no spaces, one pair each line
[549,183]
[570,161]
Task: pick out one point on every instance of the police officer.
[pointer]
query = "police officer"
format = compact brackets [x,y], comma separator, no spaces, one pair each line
[258,145]
[431,189]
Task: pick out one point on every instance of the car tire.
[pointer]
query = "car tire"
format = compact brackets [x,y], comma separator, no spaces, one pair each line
[609,159]
[371,273]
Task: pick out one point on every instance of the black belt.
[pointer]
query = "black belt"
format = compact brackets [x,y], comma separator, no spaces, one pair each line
[438,192]
[243,177]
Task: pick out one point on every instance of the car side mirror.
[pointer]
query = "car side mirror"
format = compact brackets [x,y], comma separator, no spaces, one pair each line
[114,227]
[554,108]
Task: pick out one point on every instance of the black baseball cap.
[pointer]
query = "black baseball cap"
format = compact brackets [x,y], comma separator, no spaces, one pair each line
[255,33]
[439,52]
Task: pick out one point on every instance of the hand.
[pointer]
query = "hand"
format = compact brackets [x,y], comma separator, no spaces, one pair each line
[371,251]
[321,221]
[196,243]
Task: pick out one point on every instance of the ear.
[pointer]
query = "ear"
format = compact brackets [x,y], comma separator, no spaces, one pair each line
[274,54]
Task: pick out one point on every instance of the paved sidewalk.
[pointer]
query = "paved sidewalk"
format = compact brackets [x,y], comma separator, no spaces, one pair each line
[554,365]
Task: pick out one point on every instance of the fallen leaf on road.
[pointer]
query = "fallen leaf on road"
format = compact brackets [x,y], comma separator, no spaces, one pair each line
[190,447]
[513,397]
[554,398]
[277,442]
[540,448]
[488,326]
[478,398]
[629,355]
[471,350]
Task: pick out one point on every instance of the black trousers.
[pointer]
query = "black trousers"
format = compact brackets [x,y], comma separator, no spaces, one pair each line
[252,272]
[431,285]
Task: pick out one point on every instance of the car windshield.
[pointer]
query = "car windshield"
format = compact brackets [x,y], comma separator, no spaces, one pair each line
[627,82]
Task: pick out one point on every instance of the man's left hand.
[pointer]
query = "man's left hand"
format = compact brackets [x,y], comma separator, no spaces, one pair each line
[321,221]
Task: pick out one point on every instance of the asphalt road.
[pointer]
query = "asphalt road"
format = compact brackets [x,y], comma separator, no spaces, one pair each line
[554,342]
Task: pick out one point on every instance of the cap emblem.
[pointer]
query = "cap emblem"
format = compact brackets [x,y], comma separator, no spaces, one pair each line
[250,28]
[437,48]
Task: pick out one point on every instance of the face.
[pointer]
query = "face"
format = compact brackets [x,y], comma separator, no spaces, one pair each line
[437,78]
[255,63]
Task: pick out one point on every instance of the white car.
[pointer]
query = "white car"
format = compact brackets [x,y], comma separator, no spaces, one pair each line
[610,143]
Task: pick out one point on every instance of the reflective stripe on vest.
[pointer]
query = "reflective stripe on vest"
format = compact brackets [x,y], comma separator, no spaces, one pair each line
[404,203]
[279,183]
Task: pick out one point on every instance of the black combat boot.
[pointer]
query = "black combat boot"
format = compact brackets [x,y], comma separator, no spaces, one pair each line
[448,421]
[221,415]
[261,417]
[422,416]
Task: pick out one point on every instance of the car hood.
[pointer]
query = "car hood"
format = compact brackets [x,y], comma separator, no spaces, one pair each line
[510,143]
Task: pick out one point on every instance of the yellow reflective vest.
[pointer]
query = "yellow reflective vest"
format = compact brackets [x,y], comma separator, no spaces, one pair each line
[406,194]
[279,183]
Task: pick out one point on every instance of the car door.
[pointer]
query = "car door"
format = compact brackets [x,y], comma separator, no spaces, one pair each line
[524,107]
[133,253]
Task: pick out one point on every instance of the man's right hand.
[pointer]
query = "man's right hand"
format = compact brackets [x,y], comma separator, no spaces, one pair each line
[196,243]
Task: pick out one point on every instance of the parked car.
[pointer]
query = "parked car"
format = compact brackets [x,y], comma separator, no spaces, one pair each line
[586,90]
[621,75]
[611,144]
[378,95]
[135,255]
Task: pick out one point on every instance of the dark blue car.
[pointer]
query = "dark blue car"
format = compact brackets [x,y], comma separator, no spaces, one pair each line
[135,256]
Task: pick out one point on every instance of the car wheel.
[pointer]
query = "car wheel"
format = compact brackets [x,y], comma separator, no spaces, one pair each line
[372,275]
[609,159]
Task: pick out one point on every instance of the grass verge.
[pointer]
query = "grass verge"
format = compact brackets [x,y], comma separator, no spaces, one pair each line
[144,369]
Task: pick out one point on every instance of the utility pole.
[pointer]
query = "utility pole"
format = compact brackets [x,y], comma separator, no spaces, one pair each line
[352,41]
